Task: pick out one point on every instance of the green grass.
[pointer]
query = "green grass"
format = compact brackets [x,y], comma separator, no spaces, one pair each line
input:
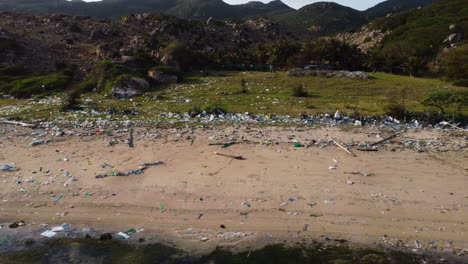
[268,93]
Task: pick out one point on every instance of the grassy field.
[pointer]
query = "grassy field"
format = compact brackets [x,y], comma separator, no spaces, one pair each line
[268,93]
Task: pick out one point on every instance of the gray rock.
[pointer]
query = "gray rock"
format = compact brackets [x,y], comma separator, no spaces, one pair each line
[163,77]
[130,87]
[96,34]
[454,38]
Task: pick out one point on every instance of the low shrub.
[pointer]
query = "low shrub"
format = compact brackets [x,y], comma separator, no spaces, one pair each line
[40,85]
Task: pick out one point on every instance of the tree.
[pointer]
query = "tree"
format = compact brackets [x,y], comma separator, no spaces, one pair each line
[455,63]
[459,101]
[412,65]
[439,99]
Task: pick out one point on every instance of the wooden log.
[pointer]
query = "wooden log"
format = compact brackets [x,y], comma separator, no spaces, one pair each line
[342,147]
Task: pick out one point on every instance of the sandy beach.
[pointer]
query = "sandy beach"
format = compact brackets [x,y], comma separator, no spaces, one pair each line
[393,195]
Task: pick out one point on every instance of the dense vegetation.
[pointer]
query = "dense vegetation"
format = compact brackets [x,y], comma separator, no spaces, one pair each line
[418,41]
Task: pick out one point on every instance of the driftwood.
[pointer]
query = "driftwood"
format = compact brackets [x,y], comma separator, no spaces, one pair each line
[383,140]
[342,147]
[455,126]
[367,149]
[231,156]
[18,124]
[130,143]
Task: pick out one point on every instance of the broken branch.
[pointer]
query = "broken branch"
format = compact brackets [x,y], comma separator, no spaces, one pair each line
[342,147]
[237,157]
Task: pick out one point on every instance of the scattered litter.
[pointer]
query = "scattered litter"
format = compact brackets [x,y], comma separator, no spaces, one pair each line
[123,235]
[332,167]
[106,166]
[8,167]
[39,142]
[152,163]
[58,198]
[48,233]
[365,174]
[111,142]
[350,182]
[57,229]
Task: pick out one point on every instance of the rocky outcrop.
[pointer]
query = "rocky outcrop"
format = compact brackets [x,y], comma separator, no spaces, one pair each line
[365,39]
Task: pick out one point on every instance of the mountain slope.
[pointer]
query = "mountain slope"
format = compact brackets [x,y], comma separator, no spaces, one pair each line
[394,6]
[195,9]
[423,31]
[323,18]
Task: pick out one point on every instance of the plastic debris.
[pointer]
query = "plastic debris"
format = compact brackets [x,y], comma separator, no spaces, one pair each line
[48,233]
[152,163]
[8,167]
[39,142]
[123,235]
[58,198]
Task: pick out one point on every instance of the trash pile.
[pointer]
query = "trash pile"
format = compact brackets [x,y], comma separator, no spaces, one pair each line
[267,119]
[329,74]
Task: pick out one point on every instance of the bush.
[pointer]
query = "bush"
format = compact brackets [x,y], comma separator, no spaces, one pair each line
[462,82]
[216,109]
[72,99]
[299,91]
[243,84]
[439,99]
[41,85]
[14,70]
[396,110]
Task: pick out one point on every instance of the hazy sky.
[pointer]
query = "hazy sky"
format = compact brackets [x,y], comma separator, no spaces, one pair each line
[357,4]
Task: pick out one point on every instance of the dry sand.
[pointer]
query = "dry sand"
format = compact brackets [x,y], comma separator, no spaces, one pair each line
[409,196]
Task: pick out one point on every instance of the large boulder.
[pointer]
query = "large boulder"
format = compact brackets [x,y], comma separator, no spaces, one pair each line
[163,77]
[454,38]
[129,87]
